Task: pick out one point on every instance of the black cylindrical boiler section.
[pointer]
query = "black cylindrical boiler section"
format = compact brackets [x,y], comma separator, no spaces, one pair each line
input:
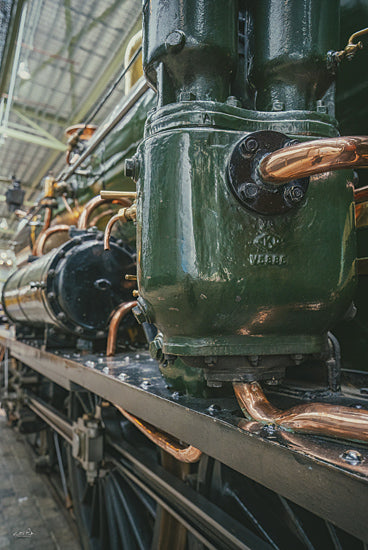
[74,287]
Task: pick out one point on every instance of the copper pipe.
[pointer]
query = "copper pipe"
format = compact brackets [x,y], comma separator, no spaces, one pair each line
[184,453]
[314,418]
[361,195]
[46,225]
[47,218]
[124,215]
[314,157]
[112,221]
[44,235]
[106,213]
[67,156]
[116,319]
[66,204]
[95,203]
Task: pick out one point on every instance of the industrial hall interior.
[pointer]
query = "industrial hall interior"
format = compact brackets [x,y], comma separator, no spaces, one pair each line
[183,274]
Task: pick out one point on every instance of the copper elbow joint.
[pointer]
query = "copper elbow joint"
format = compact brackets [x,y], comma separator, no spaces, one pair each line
[268,172]
[314,157]
[96,202]
[121,312]
[310,418]
[124,215]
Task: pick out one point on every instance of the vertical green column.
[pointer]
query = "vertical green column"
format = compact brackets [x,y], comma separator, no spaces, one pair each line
[190,48]
[291,40]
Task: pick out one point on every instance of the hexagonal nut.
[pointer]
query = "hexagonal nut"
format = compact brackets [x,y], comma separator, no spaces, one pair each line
[294,194]
[155,348]
[131,168]
[139,314]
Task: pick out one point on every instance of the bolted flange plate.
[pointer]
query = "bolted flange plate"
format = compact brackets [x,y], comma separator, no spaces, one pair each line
[247,185]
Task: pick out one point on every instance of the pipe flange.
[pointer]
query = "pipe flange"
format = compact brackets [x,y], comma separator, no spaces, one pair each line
[247,185]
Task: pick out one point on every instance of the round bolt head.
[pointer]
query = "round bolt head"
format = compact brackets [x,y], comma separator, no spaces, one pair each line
[175,42]
[251,145]
[248,191]
[233,101]
[278,106]
[61,316]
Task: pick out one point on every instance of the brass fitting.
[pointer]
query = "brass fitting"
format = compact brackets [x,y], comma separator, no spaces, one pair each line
[116,195]
[352,47]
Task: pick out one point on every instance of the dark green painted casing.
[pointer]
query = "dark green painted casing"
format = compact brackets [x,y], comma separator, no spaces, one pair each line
[217,279]
[214,277]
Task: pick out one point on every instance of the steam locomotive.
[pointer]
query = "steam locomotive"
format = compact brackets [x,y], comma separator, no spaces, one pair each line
[202,350]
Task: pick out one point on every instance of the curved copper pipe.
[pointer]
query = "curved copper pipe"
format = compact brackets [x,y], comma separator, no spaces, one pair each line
[66,204]
[67,156]
[46,225]
[184,453]
[47,218]
[124,215]
[118,315]
[315,418]
[42,238]
[112,221]
[314,157]
[94,221]
[95,203]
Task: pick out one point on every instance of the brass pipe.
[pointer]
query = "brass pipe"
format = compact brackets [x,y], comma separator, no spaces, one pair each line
[115,195]
[95,203]
[313,418]
[116,319]
[42,238]
[314,157]
[124,215]
[184,453]
[352,47]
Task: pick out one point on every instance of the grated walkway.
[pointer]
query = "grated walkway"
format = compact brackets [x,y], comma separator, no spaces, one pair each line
[30,518]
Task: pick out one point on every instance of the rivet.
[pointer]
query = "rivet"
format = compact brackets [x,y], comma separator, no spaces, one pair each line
[352,457]
[214,408]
